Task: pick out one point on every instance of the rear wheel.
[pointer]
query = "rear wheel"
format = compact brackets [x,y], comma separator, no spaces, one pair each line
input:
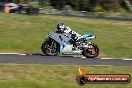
[91,52]
[49,48]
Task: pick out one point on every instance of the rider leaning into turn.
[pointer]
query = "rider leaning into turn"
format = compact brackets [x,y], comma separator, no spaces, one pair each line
[64,29]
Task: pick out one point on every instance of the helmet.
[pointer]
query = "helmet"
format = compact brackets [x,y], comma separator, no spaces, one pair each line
[60,26]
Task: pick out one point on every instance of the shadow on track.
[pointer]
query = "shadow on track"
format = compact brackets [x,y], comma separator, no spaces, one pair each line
[61,55]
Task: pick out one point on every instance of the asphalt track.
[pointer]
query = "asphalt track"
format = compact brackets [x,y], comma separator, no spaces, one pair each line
[61,60]
[96,17]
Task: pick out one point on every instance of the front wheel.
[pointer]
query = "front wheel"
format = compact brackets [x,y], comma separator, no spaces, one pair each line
[91,52]
[49,49]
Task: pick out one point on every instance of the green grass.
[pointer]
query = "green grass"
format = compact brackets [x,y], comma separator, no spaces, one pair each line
[21,33]
[54,76]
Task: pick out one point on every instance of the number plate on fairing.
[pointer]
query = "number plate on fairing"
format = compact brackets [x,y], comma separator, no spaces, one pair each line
[60,38]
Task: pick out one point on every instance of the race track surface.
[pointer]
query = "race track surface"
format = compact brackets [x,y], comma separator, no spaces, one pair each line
[96,17]
[61,60]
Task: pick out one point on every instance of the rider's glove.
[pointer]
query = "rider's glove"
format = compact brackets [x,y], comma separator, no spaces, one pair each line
[73,32]
[67,30]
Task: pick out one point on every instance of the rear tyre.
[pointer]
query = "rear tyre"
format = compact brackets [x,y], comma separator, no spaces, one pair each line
[49,49]
[91,52]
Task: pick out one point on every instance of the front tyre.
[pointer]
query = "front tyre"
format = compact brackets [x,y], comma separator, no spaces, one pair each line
[49,49]
[91,52]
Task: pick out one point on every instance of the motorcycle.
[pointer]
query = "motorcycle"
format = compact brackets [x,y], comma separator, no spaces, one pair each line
[56,43]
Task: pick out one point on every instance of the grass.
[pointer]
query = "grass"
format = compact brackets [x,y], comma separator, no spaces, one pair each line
[54,76]
[22,33]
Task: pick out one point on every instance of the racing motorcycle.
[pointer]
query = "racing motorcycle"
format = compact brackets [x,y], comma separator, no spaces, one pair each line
[66,43]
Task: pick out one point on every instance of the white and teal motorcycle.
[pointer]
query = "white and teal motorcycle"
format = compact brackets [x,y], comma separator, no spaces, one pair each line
[65,43]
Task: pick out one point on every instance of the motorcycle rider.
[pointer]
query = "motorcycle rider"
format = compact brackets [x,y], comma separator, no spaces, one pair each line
[64,29]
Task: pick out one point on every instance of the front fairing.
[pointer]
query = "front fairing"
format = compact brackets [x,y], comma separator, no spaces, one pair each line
[84,36]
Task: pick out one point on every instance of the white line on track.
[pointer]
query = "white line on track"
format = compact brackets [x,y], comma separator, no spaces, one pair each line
[21,54]
[12,54]
[126,59]
[8,53]
[118,58]
[106,58]
[83,57]
[101,65]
